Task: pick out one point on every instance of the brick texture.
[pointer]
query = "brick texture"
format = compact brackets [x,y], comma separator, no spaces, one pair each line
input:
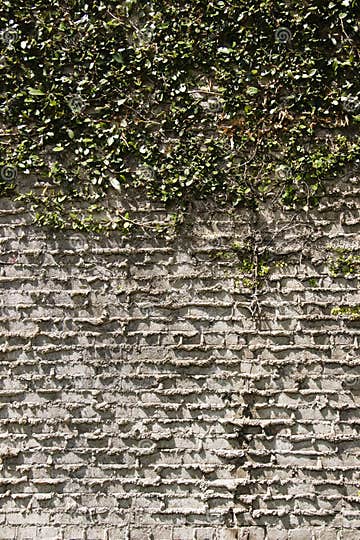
[147,393]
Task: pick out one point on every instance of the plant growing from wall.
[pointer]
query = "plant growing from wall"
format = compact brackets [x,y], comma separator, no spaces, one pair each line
[348,312]
[344,262]
[178,100]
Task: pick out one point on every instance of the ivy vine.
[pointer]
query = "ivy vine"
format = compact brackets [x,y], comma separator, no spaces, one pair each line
[178,100]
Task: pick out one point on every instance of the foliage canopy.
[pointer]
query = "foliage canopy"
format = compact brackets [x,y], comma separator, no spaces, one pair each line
[182,100]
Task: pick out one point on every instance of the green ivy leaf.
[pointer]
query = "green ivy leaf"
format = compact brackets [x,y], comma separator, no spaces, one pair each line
[35,92]
[118,58]
[252,91]
[115,184]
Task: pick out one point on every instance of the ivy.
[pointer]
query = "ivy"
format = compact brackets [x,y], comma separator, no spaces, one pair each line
[344,262]
[351,312]
[179,100]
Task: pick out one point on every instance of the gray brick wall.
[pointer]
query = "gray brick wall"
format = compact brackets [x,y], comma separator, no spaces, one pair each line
[147,393]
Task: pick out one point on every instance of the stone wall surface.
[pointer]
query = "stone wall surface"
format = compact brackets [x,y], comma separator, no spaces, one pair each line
[149,391]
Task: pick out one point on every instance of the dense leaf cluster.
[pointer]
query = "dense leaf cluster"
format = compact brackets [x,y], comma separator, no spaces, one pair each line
[181,99]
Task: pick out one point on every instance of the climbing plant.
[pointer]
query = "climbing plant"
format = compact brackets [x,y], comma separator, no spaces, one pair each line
[179,100]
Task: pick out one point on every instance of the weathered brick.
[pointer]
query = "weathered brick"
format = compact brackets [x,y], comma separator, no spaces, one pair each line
[206,533]
[276,534]
[8,533]
[328,534]
[74,533]
[349,534]
[147,392]
[119,533]
[256,533]
[183,533]
[301,534]
[26,533]
[228,534]
[56,533]
[96,533]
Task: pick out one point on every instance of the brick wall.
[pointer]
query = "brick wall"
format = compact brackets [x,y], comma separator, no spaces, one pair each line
[148,392]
